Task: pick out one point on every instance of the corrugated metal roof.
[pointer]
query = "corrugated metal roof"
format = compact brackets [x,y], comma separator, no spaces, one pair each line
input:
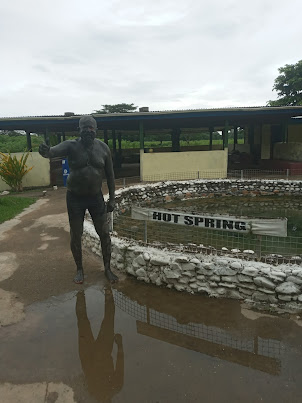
[160,119]
[239,108]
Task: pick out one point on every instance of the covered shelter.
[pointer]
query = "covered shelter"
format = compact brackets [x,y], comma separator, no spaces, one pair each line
[271,135]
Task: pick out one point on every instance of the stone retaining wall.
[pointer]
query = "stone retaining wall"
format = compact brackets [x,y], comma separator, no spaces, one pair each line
[152,194]
[254,282]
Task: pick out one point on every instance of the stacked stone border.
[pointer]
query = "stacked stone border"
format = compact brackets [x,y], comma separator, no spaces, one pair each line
[279,286]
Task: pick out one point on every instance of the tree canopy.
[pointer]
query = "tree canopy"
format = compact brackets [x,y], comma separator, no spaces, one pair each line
[117,108]
[288,85]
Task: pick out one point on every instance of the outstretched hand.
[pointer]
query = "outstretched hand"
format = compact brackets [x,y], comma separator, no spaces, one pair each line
[110,206]
[44,150]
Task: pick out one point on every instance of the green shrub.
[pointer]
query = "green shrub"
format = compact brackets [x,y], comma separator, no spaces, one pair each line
[12,170]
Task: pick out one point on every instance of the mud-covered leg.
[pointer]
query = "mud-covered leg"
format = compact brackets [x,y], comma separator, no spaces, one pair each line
[76,249]
[102,229]
[76,218]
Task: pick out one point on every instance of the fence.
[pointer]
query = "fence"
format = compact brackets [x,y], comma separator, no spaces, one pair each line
[254,247]
[288,174]
[201,240]
[170,176]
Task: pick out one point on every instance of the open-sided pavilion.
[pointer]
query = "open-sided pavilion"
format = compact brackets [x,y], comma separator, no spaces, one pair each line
[270,134]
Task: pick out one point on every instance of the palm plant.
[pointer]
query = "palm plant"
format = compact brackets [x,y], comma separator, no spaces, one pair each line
[12,170]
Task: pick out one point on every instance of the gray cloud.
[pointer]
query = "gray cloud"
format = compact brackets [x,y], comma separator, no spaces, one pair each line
[165,54]
[41,67]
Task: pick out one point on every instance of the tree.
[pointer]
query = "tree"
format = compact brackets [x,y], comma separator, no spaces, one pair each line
[117,108]
[288,85]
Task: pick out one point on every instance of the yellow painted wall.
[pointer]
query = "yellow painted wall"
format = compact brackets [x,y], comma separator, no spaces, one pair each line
[183,165]
[38,176]
[266,142]
[295,133]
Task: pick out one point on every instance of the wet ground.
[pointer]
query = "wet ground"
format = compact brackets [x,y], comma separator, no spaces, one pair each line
[130,343]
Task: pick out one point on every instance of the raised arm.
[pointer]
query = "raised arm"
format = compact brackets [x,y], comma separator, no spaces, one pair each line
[60,150]
[110,180]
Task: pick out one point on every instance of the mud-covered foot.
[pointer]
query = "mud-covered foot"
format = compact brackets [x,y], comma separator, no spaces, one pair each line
[79,278]
[110,276]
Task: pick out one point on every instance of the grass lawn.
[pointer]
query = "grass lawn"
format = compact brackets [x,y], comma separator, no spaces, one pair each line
[10,206]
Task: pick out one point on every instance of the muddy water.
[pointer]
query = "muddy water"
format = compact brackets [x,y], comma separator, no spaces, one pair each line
[138,343]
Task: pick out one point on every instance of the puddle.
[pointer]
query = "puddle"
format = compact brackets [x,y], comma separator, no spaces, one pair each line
[137,343]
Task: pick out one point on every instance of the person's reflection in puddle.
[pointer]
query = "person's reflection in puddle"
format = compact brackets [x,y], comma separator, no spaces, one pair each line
[103,380]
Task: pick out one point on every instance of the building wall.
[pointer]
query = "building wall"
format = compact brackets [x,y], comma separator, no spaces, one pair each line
[38,176]
[242,148]
[295,133]
[288,151]
[266,142]
[184,165]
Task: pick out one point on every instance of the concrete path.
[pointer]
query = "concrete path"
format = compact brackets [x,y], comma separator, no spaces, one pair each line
[36,264]
[35,257]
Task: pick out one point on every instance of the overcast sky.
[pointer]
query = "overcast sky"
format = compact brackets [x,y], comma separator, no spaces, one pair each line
[71,55]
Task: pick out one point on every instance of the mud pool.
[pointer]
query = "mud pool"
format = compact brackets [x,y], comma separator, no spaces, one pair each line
[139,343]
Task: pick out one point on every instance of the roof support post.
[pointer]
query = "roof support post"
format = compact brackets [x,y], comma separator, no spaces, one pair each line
[113,141]
[114,147]
[106,136]
[251,138]
[141,135]
[59,137]
[211,129]
[119,154]
[28,139]
[175,134]
[63,135]
[246,135]
[235,137]
[119,139]
[285,132]
[173,139]
[46,136]
[226,136]
[178,139]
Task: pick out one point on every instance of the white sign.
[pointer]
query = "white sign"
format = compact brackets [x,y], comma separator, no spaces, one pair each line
[243,225]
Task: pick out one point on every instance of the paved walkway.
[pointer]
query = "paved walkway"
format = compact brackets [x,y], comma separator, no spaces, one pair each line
[35,258]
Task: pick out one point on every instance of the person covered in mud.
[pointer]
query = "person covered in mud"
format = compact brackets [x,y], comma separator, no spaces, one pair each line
[89,160]
[103,380]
